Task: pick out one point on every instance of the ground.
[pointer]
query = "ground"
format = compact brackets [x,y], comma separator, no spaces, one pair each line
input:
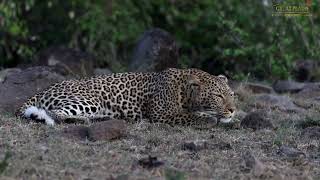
[36,151]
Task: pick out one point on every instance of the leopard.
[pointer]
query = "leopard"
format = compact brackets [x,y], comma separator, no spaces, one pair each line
[187,97]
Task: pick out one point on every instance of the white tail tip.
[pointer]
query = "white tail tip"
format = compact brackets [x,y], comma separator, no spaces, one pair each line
[39,113]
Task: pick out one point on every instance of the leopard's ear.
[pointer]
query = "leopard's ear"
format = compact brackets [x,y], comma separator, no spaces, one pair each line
[223,77]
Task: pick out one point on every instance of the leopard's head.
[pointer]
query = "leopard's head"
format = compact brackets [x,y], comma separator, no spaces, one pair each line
[212,95]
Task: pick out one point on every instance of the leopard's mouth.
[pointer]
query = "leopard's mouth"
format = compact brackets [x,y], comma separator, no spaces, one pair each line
[223,118]
[226,117]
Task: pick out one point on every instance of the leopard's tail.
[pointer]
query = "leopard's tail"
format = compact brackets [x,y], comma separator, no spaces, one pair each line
[30,111]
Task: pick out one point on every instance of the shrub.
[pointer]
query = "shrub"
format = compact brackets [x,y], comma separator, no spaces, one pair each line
[236,38]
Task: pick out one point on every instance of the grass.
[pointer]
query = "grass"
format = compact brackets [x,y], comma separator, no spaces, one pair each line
[41,152]
[4,162]
[309,122]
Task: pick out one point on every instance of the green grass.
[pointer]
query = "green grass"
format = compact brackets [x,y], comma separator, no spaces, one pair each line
[4,163]
[309,122]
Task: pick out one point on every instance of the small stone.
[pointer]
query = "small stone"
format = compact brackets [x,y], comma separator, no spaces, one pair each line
[290,152]
[119,177]
[222,145]
[253,164]
[43,148]
[150,162]
[76,132]
[107,130]
[257,120]
[311,132]
[195,145]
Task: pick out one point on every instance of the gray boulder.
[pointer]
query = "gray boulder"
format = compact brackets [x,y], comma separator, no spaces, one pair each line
[309,91]
[18,86]
[287,86]
[6,72]
[290,152]
[156,50]
[257,120]
[258,88]
[102,71]
[66,61]
[307,70]
[271,101]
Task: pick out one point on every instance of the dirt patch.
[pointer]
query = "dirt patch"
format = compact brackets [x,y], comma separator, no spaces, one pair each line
[289,151]
[36,151]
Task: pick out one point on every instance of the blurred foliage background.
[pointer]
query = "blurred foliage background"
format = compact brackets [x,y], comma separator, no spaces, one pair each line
[237,38]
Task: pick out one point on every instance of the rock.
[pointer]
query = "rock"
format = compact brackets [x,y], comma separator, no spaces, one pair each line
[66,61]
[258,88]
[18,86]
[257,120]
[222,145]
[107,130]
[150,162]
[6,72]
[287,86]
[102,71]
[199,145]
[253,164]
[76,132]
[290,152]
[309,91]
[195,145]
[99,131]
[311,132]
[118,177]
[307,70]
[271,101]
[156,50]
[304,103]
[311,87]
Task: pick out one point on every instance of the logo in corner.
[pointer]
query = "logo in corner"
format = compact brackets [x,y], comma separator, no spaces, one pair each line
[292,7]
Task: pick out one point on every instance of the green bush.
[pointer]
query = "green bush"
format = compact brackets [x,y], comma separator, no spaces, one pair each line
[238,38]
